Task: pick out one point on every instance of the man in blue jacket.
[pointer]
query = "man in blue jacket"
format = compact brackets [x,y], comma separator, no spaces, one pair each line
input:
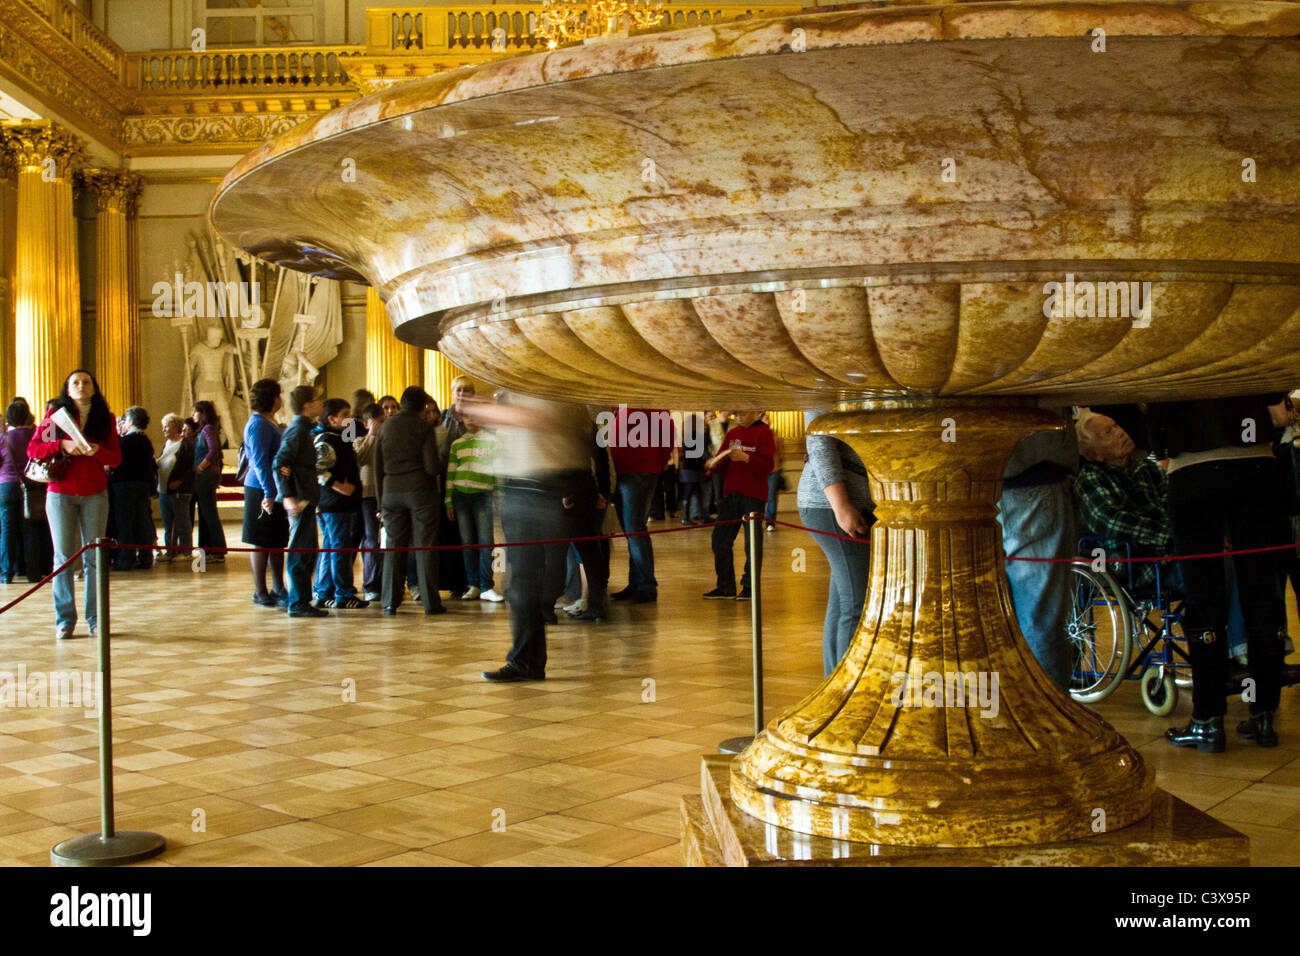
[295,479]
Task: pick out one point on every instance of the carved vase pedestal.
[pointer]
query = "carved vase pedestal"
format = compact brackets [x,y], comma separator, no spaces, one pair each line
[939,729]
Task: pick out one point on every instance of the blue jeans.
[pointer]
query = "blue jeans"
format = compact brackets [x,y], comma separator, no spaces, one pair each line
[772,492]
[1038,522]
[302,534]
[372,565]
[205,493]
[341,529]
[474,519]
[177,530]
[633,498]
[75,520]
[691,496]
[11,526]
[715,492]
[850,562]
[572,576]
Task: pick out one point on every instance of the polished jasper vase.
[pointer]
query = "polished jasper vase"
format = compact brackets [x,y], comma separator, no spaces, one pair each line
[865,206]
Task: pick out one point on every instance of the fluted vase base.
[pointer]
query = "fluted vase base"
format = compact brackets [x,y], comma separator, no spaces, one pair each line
[939,728]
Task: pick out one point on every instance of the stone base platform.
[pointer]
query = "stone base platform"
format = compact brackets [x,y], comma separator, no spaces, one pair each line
[716,833]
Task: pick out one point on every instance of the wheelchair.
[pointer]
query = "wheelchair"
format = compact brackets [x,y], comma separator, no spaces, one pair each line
[1118,633]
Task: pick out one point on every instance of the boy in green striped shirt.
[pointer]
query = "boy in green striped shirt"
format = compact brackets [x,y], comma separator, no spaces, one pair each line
[470,483]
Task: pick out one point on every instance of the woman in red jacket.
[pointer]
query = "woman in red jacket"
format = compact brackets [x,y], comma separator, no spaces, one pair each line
[77,506]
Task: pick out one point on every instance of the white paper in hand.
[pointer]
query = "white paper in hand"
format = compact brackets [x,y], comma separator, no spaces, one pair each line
[65,422]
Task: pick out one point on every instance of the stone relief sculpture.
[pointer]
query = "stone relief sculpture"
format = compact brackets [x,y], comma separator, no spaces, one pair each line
[229,337]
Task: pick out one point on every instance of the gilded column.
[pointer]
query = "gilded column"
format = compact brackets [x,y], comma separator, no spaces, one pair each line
[46,290]
[117,305]
[789,425]
[438,375]
[391,365]
[7,199]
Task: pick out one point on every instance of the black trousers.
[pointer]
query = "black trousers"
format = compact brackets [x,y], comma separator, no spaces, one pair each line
[1240,499]
[134,524]
[593,554]
[665,497]
[724,536]
[535,511]
[411,520]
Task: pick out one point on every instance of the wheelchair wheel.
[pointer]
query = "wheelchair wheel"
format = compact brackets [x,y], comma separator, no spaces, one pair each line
[1100,631]
[1159,692]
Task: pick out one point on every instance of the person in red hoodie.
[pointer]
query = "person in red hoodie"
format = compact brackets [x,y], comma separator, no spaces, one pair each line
[77,505]
[747,457]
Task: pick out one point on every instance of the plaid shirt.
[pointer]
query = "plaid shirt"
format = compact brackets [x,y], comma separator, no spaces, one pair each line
[1125,506]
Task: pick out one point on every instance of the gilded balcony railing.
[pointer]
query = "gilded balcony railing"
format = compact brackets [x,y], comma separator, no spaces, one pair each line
[463,28]
[73,26]
[252,70]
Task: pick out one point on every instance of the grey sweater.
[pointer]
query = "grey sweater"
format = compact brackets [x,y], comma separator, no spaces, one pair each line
[829,461]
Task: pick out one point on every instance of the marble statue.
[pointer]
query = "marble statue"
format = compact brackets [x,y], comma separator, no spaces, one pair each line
[212,369]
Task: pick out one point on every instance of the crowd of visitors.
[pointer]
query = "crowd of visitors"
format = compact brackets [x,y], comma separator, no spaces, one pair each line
[399,474]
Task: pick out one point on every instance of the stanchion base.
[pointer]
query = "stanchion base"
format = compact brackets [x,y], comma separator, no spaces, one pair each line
[126,846]
[734,745]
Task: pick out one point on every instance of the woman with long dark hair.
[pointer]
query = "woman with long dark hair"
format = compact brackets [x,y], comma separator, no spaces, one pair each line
[207,478]
[77,504]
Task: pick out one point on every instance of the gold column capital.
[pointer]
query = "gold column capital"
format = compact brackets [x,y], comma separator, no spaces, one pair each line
[115,189]
[31,142]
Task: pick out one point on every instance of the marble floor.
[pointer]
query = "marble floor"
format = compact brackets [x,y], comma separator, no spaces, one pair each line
[249,739]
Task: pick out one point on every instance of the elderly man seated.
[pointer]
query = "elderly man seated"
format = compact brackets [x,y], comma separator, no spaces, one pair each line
[1120,498]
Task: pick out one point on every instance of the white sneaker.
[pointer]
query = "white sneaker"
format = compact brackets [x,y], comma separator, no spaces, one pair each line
[415,594]
[577,607]
[471,595]
[372,595]
[491,595]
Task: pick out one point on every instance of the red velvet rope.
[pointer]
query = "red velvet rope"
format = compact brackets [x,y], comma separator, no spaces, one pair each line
[49,577]
[1167,557]
[594,537]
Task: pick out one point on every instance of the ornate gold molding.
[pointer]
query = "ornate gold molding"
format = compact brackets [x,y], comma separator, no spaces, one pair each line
[150,134]
[113,189]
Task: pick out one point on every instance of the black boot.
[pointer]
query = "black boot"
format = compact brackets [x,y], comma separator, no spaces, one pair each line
[1259,728]
[1206,736]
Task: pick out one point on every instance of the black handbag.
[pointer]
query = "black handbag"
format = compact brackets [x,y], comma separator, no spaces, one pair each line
[241,472]
[33,501]
[44,470]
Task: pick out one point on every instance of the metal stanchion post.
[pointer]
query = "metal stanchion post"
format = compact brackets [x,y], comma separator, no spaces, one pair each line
[734,745]
[108,847]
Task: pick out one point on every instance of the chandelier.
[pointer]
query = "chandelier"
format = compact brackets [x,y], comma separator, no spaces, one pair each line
[563,22]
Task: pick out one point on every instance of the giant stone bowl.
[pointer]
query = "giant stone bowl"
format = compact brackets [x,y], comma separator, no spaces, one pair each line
[860,205]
